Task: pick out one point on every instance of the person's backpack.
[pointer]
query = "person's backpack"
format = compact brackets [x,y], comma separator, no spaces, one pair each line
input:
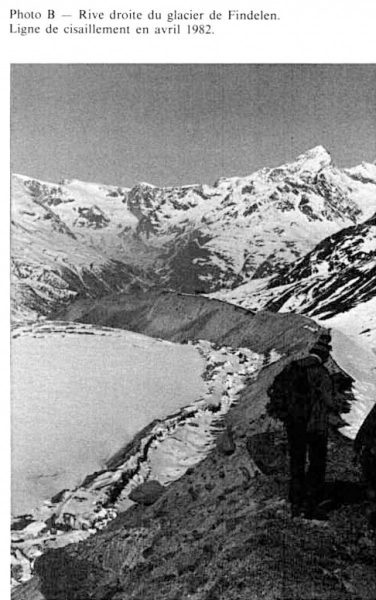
[289,395]
[302,392]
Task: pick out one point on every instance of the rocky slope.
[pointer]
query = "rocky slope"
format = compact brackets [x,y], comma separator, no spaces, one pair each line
[86,239]
[222,530]
[335,284]
[338,275]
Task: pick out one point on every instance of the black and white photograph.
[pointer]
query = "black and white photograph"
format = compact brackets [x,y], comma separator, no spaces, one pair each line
[193,331]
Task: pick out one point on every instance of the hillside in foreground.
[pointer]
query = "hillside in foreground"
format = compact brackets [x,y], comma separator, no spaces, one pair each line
[223,529]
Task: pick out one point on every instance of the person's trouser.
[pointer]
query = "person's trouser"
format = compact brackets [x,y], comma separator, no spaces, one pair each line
[306,486]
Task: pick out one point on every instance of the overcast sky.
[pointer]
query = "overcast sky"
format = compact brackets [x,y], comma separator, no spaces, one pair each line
[175,124]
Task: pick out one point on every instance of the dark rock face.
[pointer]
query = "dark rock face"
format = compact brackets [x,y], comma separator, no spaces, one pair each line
[334,277]
[93,217]
[365,446]
[147,493]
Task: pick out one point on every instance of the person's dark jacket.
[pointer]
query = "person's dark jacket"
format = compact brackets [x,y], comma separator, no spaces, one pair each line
[303,392]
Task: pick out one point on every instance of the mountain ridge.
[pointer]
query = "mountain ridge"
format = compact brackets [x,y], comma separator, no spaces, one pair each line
[74,238]
[336,277]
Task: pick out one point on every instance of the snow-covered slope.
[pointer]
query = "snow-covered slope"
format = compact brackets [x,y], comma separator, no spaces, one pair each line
[51,262]
[359,362]
[94,387]
[85,238]
[336,276]
[163,451]
[335,284]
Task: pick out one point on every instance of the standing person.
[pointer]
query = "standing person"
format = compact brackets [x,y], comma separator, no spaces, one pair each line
[301,397]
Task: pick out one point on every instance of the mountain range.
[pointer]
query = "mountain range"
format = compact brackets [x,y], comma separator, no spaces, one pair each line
[251,270]
[76,239]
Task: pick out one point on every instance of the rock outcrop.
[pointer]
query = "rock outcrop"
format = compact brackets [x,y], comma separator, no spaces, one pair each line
[147,493]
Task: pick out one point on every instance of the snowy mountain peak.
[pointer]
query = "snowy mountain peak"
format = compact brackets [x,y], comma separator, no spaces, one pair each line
[191,238]
[144,184]
[305,166]
[315,159]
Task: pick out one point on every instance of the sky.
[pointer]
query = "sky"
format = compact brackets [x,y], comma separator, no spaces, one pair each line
[174,124]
